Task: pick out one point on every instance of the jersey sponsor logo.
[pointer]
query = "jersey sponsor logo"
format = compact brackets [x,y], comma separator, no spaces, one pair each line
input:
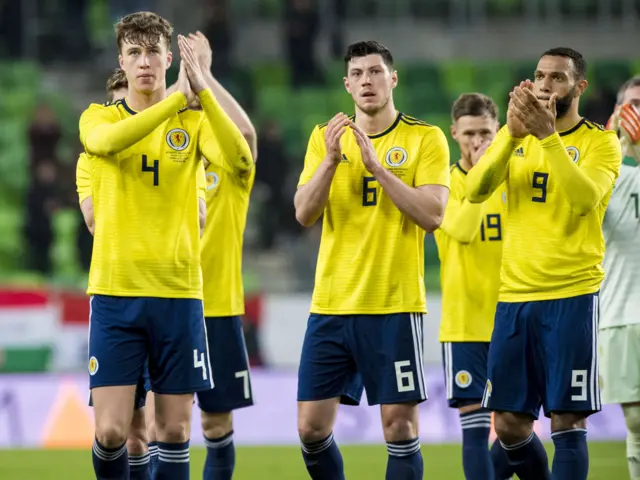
[344,159]
[178,139]
[463,379]
[574,153]
[396,156]
[93,366]
[212,180]
[519,152]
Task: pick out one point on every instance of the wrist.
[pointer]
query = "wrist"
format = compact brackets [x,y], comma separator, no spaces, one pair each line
[544,135]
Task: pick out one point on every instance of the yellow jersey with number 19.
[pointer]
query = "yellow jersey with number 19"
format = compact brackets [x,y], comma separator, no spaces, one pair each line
[470,249]
[371,258]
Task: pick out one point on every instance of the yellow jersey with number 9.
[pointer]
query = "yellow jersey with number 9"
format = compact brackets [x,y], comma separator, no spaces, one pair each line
[145,200]
[371,258]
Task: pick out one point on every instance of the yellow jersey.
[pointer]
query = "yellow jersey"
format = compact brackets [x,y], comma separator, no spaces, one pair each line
[371,258]
[83,177]
[555,246]
[470,249]
[227,194]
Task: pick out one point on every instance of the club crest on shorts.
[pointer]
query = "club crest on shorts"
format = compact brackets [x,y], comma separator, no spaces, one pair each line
[574,153]
[488,388]
[93,365]
[178,139]
[212,180]
[463,379]
[396,156]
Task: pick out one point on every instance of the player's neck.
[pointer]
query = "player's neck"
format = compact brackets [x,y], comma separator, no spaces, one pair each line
[378,122]
[570,120]
[139,101]
[466,164]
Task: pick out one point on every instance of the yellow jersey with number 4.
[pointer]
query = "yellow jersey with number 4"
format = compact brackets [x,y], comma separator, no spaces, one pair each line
[371,258]
[470,250]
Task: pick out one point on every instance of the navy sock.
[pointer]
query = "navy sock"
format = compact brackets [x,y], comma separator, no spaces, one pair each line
[323,459]
[173,461]
[571,461]
[110,463]
[476,457]
[139,467]
[405,460]
[529,459]
[153,456]
[501,466]
[221,458]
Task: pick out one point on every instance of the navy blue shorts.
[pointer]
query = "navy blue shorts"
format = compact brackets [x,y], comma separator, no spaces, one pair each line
[170,332]
[142,387]
[544,353]
[230,366]
[341,354]
[465,372]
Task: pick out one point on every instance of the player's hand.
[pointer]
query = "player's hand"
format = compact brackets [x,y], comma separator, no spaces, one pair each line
[335,129]
[478,152]
[192,67]
[515,126]
[630,122]
[369,157]
[202,49]
[537,118]
[184,86]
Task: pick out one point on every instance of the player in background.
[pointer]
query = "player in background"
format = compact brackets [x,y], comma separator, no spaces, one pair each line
[470,249]
[145,278]
[559,170]
[381,180]
[620,296]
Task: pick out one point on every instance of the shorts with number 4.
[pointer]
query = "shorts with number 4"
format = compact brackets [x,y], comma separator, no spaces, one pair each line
[341,354]
[125,332]
[230,367]
[544,353]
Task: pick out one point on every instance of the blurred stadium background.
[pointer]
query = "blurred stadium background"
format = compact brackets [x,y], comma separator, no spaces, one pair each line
[282,59]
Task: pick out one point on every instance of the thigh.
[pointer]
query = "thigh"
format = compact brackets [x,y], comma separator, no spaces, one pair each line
[465,372]
[569,336]
[143,387]
[178,357]
[230,367]
[388,350]
[117,341]
[619,364]
[513,370]
[327,369]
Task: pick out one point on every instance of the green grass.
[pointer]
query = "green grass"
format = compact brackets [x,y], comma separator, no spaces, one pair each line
[442,462]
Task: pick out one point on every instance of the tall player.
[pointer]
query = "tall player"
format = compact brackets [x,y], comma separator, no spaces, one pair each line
[620,298]
[145,278]
[559,171]
[470,249]
[381,180]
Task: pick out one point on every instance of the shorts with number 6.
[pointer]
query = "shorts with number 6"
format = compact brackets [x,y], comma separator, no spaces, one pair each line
[343,353]
[230,366]
[170,332]
[544,353]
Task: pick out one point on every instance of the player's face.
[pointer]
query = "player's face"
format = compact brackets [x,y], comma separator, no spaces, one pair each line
[555,74]
[370,82]
[632,96]
[471,132]
[145,65]
[118,94]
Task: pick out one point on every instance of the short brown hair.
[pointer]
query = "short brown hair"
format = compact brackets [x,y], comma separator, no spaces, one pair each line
[369,47]
[474,105]
[116,81]
[632,82]
[143,28]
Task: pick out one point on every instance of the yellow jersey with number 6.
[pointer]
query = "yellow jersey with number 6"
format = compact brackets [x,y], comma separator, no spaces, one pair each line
[371,258]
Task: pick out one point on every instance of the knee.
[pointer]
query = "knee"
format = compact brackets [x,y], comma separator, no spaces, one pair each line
[111,435]
[511,428]
[216,425]
[175,431]
[136,445]
[399,422]
[632,420]
[567,421]
[313,428]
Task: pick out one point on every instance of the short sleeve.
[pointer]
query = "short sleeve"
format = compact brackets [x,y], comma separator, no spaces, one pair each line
[316,151]
[433,164]
[83,177]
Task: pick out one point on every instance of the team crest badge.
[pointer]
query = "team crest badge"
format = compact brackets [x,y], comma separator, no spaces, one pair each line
[396,156]
[463,379]
[212,180]
[574,153]
[178,139]
[93,366]
[488,388]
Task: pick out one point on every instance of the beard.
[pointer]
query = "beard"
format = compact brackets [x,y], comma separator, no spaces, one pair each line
[563,103]
[371,110]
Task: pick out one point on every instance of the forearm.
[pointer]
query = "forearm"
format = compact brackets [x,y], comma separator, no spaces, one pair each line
[111,138]
[491,170]
[311,199]
[462,223]
[423,208]
[226,133]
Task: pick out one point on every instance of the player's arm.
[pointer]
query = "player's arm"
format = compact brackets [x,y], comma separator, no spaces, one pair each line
[462,219]
[201,185]
[584,185]
[103,133]
[83,184]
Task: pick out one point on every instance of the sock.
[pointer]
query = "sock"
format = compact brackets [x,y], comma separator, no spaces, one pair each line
[405,460]
[571,461]
[173,461]
[323,459]
[529,459]
[139,467]
[632,419]
[110,463]
[153,456]
[221,458]
[476,458]
[501,466]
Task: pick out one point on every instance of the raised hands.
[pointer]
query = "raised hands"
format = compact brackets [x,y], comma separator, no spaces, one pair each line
[335,129]
[537,118]
[191,65]
[202,50]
